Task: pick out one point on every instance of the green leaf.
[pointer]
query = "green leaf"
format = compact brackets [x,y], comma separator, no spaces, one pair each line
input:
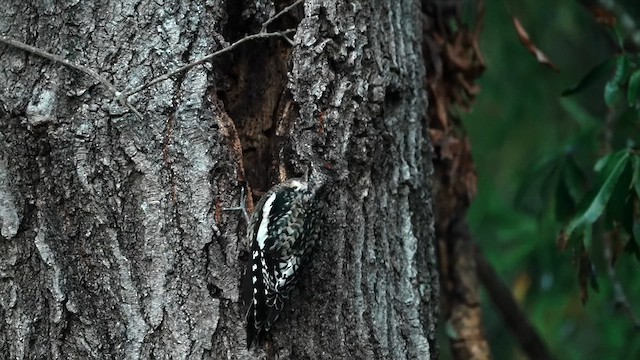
[592,76]
[587,238]
[611,93]
[603,161]
[635,182]
[579,114]
[619,214]
[599,202]
[536,190]
[632,245]
[570,189]
[565,207]
[634,88]
[619,36]
[612,90]
[593,279]
[574,179]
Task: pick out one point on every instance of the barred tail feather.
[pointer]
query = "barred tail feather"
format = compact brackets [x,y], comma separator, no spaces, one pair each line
[254,299]
[251,329]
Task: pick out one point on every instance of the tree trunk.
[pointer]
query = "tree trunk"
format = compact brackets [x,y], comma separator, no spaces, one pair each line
[113,243]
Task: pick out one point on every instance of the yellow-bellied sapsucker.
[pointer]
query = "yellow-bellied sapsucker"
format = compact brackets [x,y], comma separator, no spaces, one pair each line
[282,234]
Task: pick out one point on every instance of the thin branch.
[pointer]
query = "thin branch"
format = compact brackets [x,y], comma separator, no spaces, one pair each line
[289,40]
[513,316]
[83,69]
[285,10]
[621,298]
[206,59]
[56,58]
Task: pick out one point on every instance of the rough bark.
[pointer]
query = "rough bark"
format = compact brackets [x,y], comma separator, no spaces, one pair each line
[112,243]
[454,62]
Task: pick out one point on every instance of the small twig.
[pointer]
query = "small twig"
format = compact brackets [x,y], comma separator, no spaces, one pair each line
[273,18]
[126,103]
[55,58]
[206,59]
[243,206]
[83,69]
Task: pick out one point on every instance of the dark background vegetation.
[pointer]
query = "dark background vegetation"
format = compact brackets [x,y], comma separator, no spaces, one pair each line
[520,121]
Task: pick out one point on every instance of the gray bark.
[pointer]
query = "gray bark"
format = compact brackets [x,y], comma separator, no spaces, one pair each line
[112,244]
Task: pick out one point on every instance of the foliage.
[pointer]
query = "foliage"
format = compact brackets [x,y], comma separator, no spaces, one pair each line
[558,168]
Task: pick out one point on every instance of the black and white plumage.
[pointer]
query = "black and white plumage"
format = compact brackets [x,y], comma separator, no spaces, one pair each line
[281,233]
